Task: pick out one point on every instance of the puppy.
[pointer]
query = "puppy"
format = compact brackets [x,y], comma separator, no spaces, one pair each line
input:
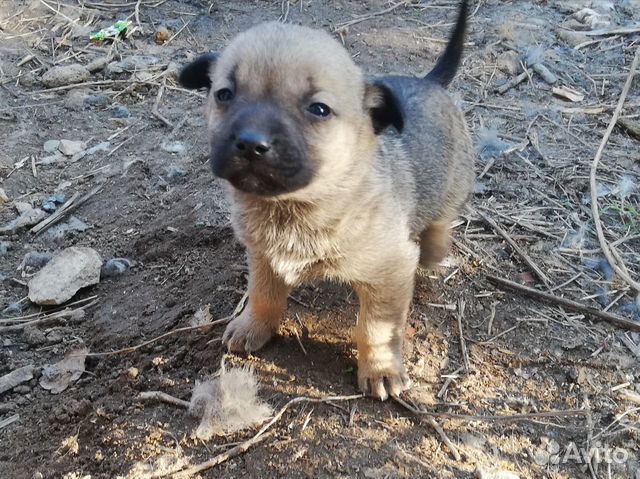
[334,176]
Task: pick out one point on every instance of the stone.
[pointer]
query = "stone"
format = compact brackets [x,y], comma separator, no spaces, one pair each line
[65,75]
[70,148]
[69,271]
[115,267]
[51,146]
[97,64]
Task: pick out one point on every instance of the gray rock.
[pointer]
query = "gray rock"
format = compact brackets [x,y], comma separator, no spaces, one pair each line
[70,148]
[49,206]
[115,267]
[97,64]
[51,146]
[51,203]
[33,336]
[68,271]
[65,75]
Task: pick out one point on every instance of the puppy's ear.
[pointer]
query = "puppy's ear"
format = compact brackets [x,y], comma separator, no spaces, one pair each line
[384,108]
[197,73]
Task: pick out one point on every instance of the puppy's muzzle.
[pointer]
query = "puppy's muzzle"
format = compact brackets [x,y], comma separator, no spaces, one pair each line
[261,150]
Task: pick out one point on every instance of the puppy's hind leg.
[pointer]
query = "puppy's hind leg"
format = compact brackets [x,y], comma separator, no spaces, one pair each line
[434,243]
[260,319]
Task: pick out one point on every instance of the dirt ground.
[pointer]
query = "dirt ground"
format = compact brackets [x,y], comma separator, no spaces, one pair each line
[160,207]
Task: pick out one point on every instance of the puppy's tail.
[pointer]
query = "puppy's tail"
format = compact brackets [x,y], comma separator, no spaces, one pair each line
[447,65]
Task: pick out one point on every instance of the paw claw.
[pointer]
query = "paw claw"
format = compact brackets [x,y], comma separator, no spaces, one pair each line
[245,334]
[382,382]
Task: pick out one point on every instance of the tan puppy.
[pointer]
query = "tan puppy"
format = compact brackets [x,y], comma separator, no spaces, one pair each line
[334,176]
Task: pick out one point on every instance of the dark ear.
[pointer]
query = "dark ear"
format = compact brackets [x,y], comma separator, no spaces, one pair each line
[197,73]
[384,108]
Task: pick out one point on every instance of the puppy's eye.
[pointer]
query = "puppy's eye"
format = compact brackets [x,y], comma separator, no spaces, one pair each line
[319,109]
[224,95]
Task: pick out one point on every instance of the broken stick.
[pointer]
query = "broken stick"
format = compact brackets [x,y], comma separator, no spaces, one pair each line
[567,303]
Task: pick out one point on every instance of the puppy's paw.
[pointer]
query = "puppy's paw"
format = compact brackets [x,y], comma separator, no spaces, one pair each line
[380,379]
[246,334]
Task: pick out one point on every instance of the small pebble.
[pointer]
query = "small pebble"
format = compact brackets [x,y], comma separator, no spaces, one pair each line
[115,267]
[133,373]
[51,146]
[173,147]
[70,147]
[97,64]
[49,206]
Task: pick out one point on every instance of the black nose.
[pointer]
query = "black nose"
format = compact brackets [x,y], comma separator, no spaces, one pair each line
[252,144]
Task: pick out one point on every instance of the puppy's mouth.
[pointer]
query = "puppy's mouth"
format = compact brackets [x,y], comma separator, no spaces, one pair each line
[261,152]
[260,178]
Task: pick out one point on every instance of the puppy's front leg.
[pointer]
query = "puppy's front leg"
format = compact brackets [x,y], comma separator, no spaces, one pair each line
[384,306]
[260,319]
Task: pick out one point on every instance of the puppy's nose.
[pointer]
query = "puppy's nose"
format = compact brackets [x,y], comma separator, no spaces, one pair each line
[252,144]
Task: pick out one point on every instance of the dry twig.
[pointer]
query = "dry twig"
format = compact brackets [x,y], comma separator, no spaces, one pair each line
[259,437]
[527,259]
[225,320]
[567,303]
[162,397]
[494,417]
[619,267]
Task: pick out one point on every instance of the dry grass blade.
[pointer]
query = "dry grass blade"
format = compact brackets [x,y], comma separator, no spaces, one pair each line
[49,318]
[362,18]
[494,417]
[606,249]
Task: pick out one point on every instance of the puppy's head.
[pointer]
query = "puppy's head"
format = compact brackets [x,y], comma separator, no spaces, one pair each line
[289,112]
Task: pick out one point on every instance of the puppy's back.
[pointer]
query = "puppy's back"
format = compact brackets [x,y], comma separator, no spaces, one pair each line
[434,146]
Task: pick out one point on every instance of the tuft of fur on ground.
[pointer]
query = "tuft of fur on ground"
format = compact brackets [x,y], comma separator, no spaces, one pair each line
[228,403]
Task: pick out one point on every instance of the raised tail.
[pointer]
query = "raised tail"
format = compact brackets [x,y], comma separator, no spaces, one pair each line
[447,65]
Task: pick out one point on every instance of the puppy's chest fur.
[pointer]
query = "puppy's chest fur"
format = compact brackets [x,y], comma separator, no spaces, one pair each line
[298,244]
